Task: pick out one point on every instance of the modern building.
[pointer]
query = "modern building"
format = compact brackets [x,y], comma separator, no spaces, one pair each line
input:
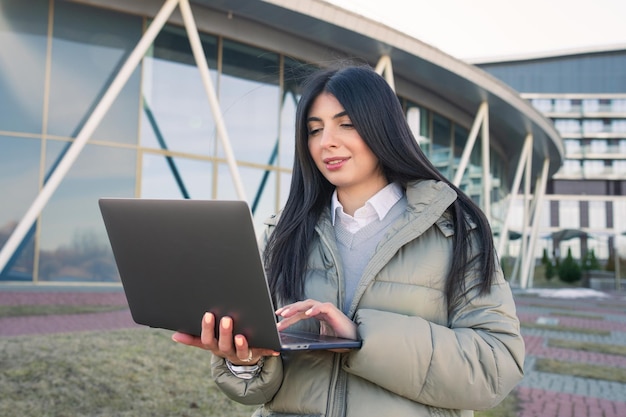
[584,93]
[196,99]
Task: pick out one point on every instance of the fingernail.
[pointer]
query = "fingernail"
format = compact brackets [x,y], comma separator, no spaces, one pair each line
[207,318]
[226,322]
[308,312]
[239,341]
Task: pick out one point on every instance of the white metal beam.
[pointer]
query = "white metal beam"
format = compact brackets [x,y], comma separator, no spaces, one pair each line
[385,68]
[486,162]
[471,141]
[540,190]
[201,62]
[504,231]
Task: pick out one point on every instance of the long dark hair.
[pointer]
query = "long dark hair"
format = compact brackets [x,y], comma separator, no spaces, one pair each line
[376,114]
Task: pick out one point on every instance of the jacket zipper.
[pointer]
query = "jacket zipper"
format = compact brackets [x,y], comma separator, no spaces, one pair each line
[336,403]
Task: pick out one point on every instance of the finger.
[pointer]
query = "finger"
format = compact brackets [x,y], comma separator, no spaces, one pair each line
[225,341]
[295,308]
[289,321]
[208,330]
[323,308]
[244,353]
[187,339]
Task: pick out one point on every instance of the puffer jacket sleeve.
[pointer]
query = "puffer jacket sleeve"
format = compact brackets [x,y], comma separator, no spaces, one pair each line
[263,387]
[258,390]
[473,364]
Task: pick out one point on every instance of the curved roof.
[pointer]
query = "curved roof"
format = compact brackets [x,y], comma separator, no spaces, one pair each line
[318,31]
[423,74]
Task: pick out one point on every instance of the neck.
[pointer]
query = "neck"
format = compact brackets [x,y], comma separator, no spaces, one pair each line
[353,199]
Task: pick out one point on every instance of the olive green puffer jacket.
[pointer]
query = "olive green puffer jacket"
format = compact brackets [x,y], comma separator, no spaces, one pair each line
[415,360]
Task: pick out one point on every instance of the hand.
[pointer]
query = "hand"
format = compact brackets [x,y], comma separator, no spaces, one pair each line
[332,320]
[228,346]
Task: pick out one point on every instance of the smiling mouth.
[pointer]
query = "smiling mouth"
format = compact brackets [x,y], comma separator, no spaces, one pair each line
[334,163]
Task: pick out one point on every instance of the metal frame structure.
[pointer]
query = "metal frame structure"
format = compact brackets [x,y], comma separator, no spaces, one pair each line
[384,67]
[103,106]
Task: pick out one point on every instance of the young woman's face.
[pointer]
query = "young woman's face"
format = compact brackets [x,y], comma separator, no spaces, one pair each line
[339,152]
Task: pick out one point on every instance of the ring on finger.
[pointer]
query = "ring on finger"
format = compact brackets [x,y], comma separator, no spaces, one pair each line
[249,358]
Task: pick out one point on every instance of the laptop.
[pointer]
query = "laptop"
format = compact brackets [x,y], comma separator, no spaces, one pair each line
[178,259]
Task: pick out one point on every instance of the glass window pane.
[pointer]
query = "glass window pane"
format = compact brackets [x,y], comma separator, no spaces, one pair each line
[572,147]
[89,47]
[569,214]
[169,177]
[23,29]
[597,214]
[599,146]
[19,179]
[250,101]
[252,179]
[73,242]
[415,117]
[441,152]
[176,111]
[562,105]
[287,131]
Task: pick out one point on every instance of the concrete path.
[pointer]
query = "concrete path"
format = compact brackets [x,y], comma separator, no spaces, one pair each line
[541,394]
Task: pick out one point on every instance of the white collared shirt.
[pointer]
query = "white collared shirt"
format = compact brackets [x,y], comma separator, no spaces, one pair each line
[376,208]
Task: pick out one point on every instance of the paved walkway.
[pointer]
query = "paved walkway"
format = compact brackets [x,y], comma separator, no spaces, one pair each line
[541,394]
[553,395]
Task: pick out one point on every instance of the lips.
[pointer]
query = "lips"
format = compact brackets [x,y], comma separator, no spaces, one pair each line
[333,164]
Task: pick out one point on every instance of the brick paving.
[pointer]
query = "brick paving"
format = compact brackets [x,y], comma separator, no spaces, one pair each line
[540,394]
[543,394]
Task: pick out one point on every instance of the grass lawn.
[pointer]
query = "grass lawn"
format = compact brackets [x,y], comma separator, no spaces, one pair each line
[45,309]
[138,372]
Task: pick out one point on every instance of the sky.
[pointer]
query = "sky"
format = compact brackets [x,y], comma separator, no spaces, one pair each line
[474,29]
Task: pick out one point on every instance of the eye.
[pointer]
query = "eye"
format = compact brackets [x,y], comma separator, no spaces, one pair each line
[345,122]
[314,130]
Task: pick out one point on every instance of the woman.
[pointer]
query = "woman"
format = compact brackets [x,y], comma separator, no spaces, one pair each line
[374,244]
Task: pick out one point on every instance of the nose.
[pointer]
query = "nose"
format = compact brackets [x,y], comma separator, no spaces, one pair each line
[328,138]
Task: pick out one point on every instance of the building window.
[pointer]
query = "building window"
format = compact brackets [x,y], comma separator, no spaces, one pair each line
[591,105]
[599,146]
[593,168]
[569,214]
[571,167]
[618,105]
[593,126]
[597,214]
[544,105]
[567,125]
[562,105]
[619,167]
[572,147]
[618,126]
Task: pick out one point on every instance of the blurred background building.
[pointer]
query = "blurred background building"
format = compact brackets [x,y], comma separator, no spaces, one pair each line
[109,98]
[583,92]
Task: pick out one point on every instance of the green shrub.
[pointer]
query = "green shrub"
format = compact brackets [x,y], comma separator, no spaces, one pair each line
[549,267]
[590,262]
[569,270]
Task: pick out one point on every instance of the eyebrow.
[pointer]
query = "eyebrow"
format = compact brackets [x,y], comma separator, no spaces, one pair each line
[317,119]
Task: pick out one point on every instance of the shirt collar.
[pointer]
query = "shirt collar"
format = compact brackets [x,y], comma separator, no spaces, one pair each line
[381,202]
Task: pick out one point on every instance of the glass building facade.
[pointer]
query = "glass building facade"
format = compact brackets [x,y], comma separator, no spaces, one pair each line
[158,139]
[584,94]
